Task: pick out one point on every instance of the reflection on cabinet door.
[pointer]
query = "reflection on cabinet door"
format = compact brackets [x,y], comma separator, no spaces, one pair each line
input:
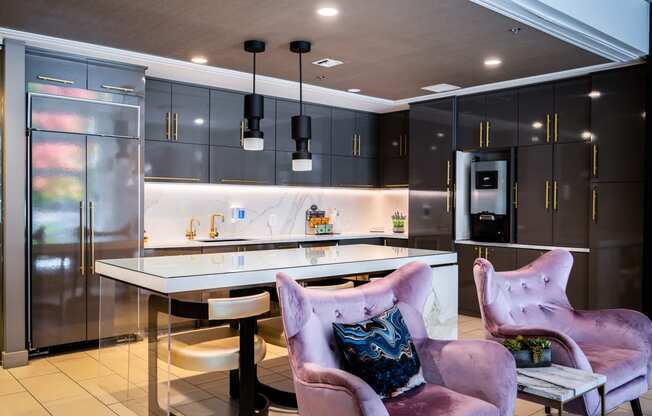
[230,165]
[157,252]
[572,118]
[502,258]
[617,212]
[431,219]
[190,114]
[320,174]
[536,114]
[55,71]
[431,145]
[395,172]
[116,80]
[320,141]
[618,125]
[158,110]
[176,162]
[367,131]
[470,122]
[227,117]
[354,171]
[394,134]
[535,195]
[577,288]
[500,120]
[343,122]
[616,277]
[570,198]
[468,295]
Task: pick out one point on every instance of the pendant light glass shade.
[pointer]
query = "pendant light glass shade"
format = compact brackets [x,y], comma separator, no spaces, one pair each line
[254,109]
[301,124]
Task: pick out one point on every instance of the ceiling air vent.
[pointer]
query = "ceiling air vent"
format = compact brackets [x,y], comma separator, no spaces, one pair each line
[327,62]
[440,87]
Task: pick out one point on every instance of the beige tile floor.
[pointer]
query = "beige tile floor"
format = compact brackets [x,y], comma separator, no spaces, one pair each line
[77,384]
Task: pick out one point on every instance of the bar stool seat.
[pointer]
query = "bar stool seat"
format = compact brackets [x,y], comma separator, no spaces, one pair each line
[209,349]
[271,329]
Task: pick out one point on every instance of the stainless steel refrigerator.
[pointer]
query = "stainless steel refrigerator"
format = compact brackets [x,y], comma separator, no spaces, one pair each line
[85,203]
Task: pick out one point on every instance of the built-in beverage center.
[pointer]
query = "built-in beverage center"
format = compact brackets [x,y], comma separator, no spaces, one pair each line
[489,199]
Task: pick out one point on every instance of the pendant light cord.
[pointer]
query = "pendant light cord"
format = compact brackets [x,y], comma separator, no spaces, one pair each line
[300,84]
[254,73]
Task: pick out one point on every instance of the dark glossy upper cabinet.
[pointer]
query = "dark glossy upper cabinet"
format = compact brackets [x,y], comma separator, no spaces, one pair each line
[536,106]
[227,119]
[557,112]
[176,162]
[487,121]
[116,79]
[230,165]
[394,128]
[320,175]
[618,125]
[535,191]
[431,145]
[354,133]
[51,70]
[354,171]
[320,141]
[570,194]
[176,112]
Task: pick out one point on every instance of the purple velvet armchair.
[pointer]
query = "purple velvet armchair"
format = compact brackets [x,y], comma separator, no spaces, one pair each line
[532,301]
[470,378]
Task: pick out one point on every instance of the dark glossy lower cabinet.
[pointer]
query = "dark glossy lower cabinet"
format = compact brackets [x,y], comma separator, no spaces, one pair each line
[354,171]
[577,288]
[231,165]
[176,162]
[320,175]
[616,277]
[431,219]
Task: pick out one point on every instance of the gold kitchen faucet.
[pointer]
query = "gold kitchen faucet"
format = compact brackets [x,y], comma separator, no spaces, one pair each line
[213,233]
[191,232]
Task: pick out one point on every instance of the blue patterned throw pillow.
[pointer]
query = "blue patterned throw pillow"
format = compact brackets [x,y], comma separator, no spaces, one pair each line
[381,352]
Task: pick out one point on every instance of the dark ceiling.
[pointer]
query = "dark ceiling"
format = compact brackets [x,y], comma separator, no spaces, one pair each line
[390,48]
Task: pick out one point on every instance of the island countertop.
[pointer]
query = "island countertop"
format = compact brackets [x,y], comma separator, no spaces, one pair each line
[176,274]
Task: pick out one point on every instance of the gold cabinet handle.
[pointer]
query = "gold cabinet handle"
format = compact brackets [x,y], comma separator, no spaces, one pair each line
[486,253]
[168,125]
[58,80]
[595,160]
[400,145]
[406,140]
[359,145]
[448,199]
[481,134]
[515,194]
[547,195]
[556,127]
[594,205]
[82,242]
[245,181]
[116,88]
[486,140]
[169,179]
[547,128]
[242,129]
[555,205]
[91,226]
[353,144]
[176,127]
[448,173]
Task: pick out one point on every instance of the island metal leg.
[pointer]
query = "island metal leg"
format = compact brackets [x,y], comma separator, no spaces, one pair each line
[156,304]
[546,410]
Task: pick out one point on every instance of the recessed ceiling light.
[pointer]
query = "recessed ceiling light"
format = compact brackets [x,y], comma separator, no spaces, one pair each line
[595,94]
[440,87]
[354,90]
[327,62]
[492,62]
[199,60]
[327,11]
[515,30]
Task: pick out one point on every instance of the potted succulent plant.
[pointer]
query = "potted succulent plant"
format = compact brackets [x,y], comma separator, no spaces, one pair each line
[529,352]
[398,222]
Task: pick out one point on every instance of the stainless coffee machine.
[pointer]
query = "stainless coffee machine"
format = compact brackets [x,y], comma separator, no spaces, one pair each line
[489,220]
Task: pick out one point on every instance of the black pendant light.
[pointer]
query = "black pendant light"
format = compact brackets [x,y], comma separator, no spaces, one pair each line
[252,137]
[301,124]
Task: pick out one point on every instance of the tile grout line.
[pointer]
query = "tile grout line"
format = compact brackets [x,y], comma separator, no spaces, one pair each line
[30,393]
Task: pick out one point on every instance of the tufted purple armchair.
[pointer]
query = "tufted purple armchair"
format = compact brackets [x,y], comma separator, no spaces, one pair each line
[532,301]
[469,378]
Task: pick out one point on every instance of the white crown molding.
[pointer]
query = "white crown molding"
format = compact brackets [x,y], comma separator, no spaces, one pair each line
[540,16]
[519,82]
[177,70]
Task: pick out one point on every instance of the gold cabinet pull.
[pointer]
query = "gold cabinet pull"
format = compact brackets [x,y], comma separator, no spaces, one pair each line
[556,127]
[91,226]
[359,145]
[400,145]
[168,125]
[555,205]
[594,205]
[406,141]
[82,242]
[353,145]
[244,181]
[116,88]
[481,134]
[176,127]
[515,194]
[57,80]
[547,195]
[547,128]
[486,140]
[448,199]
[242,129]
[486,253]
[448,173]
[170,179]
[595,160]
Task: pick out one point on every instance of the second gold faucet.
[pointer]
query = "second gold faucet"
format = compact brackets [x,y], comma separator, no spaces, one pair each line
[213,233]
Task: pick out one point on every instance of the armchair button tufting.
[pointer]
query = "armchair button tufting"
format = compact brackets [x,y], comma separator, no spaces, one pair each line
[546,279]
[523,284]
[394,300]
[338,314]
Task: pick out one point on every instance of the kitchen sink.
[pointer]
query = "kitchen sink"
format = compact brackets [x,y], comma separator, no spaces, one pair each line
[220,240]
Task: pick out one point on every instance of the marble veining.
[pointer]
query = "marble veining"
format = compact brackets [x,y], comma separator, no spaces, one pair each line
[557,382]
[271,210]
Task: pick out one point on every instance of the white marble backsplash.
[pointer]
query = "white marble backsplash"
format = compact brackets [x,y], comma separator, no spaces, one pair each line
[271,210]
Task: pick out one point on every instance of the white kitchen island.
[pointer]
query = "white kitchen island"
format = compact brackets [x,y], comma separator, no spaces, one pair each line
[162,281]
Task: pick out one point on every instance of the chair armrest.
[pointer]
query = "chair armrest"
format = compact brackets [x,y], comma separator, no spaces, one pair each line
[618,328]
[477,368]
[361,393]
[565,350]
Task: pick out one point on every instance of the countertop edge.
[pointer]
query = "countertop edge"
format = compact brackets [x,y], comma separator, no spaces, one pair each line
[523,246]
